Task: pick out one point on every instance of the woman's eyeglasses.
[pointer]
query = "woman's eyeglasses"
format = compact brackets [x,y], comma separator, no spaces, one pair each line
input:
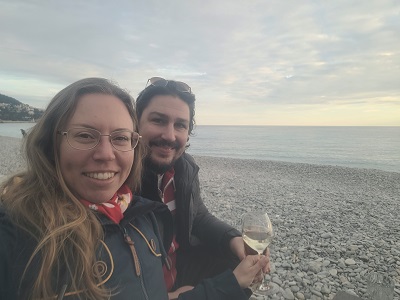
[88,138]
[179,85]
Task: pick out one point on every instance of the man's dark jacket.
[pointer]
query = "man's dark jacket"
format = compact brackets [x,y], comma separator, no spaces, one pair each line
[194,223]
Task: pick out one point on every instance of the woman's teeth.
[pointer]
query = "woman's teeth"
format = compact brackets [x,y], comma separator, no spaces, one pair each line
[101,176]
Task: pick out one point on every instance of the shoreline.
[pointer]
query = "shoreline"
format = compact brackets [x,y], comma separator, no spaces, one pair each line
[332,224]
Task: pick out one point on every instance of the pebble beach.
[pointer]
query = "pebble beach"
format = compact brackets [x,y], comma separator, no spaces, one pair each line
[332,224]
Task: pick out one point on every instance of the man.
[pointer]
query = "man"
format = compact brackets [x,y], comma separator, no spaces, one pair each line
[203,246]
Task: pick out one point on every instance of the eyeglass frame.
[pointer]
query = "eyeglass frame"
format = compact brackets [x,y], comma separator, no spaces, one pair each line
[180,86]
[65,133]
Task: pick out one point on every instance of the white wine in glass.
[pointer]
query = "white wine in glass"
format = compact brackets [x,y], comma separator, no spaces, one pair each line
[257,235]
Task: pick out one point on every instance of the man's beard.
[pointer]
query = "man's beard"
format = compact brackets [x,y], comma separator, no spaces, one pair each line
[159,168]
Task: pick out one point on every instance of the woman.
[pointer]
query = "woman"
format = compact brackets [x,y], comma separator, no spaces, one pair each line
[69,226]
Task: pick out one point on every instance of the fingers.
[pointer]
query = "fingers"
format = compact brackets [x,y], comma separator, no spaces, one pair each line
[264,262]
[267,268]
[259,262]
[247,270]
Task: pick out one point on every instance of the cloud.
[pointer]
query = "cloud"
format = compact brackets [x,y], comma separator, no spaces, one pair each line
[251,55]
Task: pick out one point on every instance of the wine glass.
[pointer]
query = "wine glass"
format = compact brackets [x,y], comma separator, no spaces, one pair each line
[257,235]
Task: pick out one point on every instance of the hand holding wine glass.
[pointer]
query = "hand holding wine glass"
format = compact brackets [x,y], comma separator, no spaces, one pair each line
[257,235]
[248,268]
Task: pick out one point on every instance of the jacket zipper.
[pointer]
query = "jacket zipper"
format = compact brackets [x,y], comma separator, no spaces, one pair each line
[131,244]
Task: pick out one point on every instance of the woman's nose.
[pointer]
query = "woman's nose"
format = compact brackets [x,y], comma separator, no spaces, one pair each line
[104,149]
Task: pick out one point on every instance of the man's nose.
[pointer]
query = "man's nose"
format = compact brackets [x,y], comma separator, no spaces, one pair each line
[168,133]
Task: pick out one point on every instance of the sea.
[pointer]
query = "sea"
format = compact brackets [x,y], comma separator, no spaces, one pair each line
[356,147]
[367,147]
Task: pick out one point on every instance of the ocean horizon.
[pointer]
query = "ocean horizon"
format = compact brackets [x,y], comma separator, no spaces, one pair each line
[366,147]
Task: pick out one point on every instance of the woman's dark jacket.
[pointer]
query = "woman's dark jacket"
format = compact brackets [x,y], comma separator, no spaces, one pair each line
[131,270]
[194,223]
[128,271]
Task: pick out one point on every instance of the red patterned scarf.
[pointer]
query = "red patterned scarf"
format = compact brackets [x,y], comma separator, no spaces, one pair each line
[167,194]
[115,207]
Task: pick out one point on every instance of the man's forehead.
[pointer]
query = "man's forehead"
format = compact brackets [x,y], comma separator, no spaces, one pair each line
[169,105]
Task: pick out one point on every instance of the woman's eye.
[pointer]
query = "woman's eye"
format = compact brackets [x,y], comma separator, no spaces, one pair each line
[121,138]
[84,135]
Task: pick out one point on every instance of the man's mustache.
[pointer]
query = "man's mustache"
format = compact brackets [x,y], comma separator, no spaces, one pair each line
[164,143]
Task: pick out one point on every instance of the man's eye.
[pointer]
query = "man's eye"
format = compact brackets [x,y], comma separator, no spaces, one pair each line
[181,126]
[158,121]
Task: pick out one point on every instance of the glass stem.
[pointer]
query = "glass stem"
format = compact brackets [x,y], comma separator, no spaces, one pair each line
[264,283]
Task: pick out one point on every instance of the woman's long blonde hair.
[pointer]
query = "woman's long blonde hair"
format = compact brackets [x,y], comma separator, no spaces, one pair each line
[39,201]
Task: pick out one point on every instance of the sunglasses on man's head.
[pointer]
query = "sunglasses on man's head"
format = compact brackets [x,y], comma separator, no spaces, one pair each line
[179,85]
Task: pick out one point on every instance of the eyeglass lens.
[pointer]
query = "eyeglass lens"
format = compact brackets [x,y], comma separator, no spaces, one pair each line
[87,138]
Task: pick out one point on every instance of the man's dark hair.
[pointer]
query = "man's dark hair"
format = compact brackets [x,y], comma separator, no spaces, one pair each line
[151,91]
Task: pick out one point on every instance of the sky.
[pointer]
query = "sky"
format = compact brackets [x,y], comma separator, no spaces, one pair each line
[249,62]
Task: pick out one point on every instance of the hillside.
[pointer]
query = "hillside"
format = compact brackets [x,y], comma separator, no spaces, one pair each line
[13,110]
